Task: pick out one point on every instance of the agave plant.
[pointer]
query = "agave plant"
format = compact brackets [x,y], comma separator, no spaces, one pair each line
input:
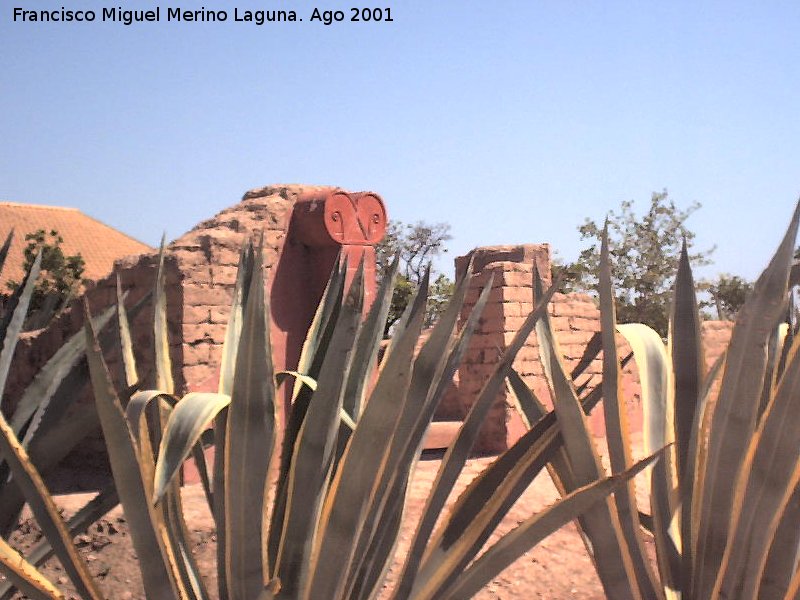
[38,419]
[724,500]
[37,437]
[329,525]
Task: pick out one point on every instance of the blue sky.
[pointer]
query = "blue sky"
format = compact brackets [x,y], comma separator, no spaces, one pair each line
[512,121]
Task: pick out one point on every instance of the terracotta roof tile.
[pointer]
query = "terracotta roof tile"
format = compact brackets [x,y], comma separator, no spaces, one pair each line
[98,244]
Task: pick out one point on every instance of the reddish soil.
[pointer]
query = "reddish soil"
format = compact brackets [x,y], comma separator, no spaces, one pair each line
[558,568]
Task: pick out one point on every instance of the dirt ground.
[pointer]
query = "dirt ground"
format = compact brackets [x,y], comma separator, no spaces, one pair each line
[558,568]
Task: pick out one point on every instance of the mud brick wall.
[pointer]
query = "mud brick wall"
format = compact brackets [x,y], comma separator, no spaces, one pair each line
[304,229]
[575,319]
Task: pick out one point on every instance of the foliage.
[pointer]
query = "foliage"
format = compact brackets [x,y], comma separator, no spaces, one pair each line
[724,501]
[728,294]
[348,453]
[60,278]
[644,253]
[724,497]
[441,290]
[38,431]
[416,245]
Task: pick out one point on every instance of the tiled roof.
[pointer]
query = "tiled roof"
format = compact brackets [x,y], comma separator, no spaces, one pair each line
[98,244]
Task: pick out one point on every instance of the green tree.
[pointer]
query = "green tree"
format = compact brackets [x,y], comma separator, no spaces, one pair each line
[644,252]
[60,279]
[417,244]
[728,294]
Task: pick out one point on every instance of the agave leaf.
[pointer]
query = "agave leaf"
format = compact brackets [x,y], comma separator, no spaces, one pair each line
[37,396]
[382,546]
[618,431]
[688,367]
[45,452]
[525,402]
[535,529]
[167,518]
[346,505]
[156,574]
[775,360]
[489,497]
[56,436]
[433,370]
[590,353]
[601,523]
[249,443]
[482,506]
[10,334]
[793,592]
[770,473]
[282,376]
[459,450]
[364,364]
[181,542]
[657,407]
[734,418]
[322,324]
[187,422]
[22,469]
[315,347]
[365,359]
[198,454]
[220,429]
[314,449]
[25,576]
[414,441]
[126,344]
[270,590]
[698,446]
[45,511]
[532,409]
[5,247]
[782,559]
[227,365]
[163,364]
[230,346]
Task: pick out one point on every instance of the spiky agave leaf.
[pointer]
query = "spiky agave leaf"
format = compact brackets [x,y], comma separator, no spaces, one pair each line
[601,522]
[515,543]
[346,504]
[313,456]
[433,371]
[419,567]
[618,431]
[734,417]
[156,574]
[249,442]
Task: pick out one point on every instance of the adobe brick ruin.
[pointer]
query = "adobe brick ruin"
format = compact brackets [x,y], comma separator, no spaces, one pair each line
[304,229]
[575,319]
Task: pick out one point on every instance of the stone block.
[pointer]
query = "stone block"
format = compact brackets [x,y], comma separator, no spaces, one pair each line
[196,295]
[203,332]
[193,315]
[513,324]
[589,324]
[201,378]
[473,293]
[220,314]
[223,275]
[517,294]
[195,354]
[488,325]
